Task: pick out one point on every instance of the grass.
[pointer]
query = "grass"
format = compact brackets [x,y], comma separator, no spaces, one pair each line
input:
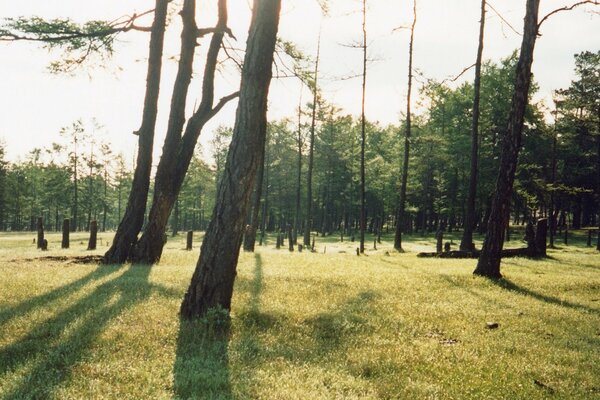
[303,326]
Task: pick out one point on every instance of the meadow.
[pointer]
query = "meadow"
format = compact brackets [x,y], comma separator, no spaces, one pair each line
[322,325]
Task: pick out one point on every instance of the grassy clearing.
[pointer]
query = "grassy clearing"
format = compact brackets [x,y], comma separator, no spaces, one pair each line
[304,326]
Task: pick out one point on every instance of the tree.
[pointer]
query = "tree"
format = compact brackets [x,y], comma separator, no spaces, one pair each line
[466,243]
[212,282]
[400,220]
[363,137]
[133,218]
[489,261]
[179,145]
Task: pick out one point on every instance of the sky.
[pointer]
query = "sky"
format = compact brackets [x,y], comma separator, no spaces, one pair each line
[35,104]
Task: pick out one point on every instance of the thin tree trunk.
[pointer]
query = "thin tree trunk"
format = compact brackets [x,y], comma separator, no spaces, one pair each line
[299,175]
[466,243]
[363,136]
[489,260]
[250,235]
[213,279]
[133,219]
[402,203]
[309,200]
[178,150]
[552,218]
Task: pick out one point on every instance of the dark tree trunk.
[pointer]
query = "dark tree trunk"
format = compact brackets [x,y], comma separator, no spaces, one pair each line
[40,232]
[93,235]
[250,236]
[213,279]
[400,220]
[489,260]
[308,221]
[133,219]
[299,174]
[178,150]
[65,234]
[189,240]
[466,242]
[363,136]
[176,219]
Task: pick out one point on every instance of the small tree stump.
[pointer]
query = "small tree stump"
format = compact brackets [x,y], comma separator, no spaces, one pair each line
[278,243]
[44,245]
[541,233]
[189,240]
[300,247]
[66,229]
[439,235]
[447,247]
[40,232]
[93,235]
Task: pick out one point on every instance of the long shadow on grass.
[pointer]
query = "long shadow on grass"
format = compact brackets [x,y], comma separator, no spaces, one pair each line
[201,367]
[51,349]
[509,285]
[42,300]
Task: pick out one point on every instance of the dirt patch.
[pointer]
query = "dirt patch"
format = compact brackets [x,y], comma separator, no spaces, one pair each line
[96,259]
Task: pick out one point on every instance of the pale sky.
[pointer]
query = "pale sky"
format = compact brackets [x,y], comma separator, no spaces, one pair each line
[36,104]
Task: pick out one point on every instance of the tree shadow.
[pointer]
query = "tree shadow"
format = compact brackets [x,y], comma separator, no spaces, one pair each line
[30,304]
[51,349]
[509,285]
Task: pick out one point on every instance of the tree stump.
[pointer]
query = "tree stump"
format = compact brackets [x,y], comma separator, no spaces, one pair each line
[300,248]
[541,233]
[93,235]
[66,229]
[447,247]
[40,232]
[278,243]
[439,235]
[44,245]
[290,238]
[189,240]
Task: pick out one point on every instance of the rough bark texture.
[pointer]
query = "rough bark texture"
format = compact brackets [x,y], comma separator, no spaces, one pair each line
[213,279]
[40,232]
[65,234]
[178,150]
[400,220]
[489,260]
[189,240]
[466,242]
[133,219]
[93,235]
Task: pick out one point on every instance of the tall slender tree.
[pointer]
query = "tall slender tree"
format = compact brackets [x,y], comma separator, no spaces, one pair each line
[466,243]
[489,261]
[133,218]
[400,220]
[213,279]
[363,136]
[311,148]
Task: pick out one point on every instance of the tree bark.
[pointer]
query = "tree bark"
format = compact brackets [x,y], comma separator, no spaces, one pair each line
[132,220]
[40,232]
[250,236]
[489,260]
[309,200]
[402,203]
[213,279]
[178,150]
[466,243]
[65,234]
[93,235]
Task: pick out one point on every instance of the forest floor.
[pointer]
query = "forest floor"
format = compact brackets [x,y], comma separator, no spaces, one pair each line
[304,325]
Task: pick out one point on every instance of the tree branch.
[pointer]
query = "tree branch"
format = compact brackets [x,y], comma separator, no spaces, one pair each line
[567,8]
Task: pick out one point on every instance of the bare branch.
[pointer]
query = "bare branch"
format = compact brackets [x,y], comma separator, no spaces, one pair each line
[567,8]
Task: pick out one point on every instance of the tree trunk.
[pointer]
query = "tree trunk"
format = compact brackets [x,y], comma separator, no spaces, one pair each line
[189,240]
[466,243]
[93,235]
[402,203]
[250,236]
[213,279]
[40,232]
[308,221]
[489,260]
[178,150]
[65,234]
[133,219]
[363,137]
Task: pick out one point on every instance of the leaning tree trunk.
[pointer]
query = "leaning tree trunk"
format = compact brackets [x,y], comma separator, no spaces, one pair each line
[178,150]
[400,220]
[132,220]
[489,260]
[466,243]
[250,236]
[212,282]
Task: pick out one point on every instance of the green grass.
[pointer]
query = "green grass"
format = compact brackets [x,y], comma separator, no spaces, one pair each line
[303,326]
